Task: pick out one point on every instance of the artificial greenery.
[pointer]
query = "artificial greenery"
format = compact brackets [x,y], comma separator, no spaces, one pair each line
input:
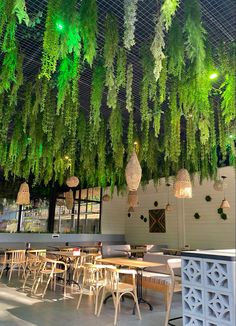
[197,216]
[130,8]
[220,210]
[110,51]
[183,119]
[223,216]
[89,29]
[129,82]
[208,198]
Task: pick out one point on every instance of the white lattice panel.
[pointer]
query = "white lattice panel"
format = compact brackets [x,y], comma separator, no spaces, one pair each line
[193,301]
[193,321]
[218,275]
[192,271]
[220,307]
[212,323]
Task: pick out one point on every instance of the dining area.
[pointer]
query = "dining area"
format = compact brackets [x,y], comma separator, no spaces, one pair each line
[84,279]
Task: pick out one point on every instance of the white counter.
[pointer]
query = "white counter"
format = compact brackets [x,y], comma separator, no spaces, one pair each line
[209,278]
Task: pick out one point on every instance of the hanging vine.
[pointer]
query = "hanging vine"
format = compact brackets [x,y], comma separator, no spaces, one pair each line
[110,50]
[89,29]
[116,134]
[129,82]
[130,9]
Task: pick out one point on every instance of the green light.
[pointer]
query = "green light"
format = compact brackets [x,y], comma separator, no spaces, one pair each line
[231,136]
[59,26]
[214,75]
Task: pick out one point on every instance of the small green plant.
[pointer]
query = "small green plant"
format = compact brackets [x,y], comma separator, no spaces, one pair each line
[208,198]
[220,210]
[197,216]
[223,216]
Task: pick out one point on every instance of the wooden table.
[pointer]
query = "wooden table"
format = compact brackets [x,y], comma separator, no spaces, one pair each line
[139,265]
[133,251]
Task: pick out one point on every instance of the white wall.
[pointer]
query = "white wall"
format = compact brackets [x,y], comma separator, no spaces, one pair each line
[114,215]
[210,231]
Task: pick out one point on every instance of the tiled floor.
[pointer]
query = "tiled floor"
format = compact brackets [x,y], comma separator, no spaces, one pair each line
[19,308]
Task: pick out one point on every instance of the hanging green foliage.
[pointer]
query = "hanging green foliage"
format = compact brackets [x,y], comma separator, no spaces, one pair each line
[175,50]
[157,48]
[175,115]
[102,155]
[130,9]
[156,118]
[64,77]
[20,11]
[51,38]
[162,81]
[195,35]
[98,80]
[89,29]
[110,50]
[19,81]
[129,82]
[130,134]
[168,10]
[121,68]
[228,97]
[116,133]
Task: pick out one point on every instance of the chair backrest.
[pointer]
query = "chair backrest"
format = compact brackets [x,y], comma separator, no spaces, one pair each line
[173,264]
[16,256]
[113,250]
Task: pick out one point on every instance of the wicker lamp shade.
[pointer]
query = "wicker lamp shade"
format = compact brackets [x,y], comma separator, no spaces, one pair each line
[133,199]
[23,196]
[69,199]
[106,197]
[133,172]
[72,182]
[183,185]
[225,204]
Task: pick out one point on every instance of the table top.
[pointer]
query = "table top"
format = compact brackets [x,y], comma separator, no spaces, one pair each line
[140,264]
[133,251]
[70,254]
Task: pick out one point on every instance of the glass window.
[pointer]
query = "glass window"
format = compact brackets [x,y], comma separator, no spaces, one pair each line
[34,218]
[8,215]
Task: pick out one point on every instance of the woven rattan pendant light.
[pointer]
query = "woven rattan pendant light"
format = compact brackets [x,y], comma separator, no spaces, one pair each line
[183,185]
[23,196]
[72,182]
[69,199]
[133,172]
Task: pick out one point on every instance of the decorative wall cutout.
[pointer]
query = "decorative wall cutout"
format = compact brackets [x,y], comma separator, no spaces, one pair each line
[193,300]
[219,307]
[193,321]
[192,271]
[217,275]
[157,222]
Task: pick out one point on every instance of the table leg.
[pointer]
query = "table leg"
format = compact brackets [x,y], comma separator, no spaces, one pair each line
[140,291]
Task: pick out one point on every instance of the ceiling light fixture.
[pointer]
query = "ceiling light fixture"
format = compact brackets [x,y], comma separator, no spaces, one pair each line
[168,208]
[224,203]
[183,185]
[214,75]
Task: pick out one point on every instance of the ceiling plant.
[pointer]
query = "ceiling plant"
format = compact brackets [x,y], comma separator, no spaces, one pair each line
[130,9]
[109,54]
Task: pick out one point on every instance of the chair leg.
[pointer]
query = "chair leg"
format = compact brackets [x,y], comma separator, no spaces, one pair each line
[48,281]
[137,306]
[101,303]
[170,296]
[80,298]
[117,300]
[3,267]
[10,273]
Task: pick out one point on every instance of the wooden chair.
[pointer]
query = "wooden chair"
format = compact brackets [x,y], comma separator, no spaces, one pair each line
[175,286]
[50,269]
[93,281]
[119,289]
[33,264]
[13,259]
